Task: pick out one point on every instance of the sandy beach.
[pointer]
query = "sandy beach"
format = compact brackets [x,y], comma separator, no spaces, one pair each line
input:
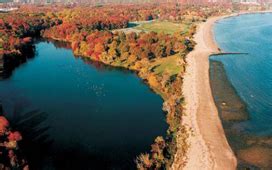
[209,148]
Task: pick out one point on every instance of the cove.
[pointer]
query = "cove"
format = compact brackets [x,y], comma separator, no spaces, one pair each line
[250,77]
[79,114]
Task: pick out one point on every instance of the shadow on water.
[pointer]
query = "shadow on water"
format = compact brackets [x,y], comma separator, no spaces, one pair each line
[38,148]
[11,61]
[35,143]
[103,67]
[98,65]
[78,157]
[132,24]
[59,44]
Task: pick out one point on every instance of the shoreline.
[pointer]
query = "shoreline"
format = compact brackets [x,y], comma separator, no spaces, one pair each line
[207,135]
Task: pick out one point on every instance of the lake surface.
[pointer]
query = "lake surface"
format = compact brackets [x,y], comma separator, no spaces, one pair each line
[77,114]
[251,74]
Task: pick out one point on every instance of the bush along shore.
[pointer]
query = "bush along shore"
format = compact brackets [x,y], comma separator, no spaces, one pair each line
[11,156]
[158,58]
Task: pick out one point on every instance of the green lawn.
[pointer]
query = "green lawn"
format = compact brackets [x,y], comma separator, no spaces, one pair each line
[163,26]
[171,65]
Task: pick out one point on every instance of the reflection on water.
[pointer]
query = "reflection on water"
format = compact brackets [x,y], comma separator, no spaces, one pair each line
[250,136]
[10,62]
[79,114]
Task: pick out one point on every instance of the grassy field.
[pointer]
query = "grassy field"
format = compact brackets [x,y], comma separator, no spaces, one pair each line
[163,26]
[171,65]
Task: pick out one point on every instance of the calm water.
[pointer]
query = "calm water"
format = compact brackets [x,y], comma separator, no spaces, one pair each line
[82,114]
[250,74]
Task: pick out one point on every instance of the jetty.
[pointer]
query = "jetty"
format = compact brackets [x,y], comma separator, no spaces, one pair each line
[229,53]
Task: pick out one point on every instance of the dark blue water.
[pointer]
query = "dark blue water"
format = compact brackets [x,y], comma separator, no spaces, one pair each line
[250,74]
[92,115]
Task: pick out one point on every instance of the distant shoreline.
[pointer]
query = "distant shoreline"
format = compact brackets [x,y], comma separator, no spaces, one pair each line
[209,148]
